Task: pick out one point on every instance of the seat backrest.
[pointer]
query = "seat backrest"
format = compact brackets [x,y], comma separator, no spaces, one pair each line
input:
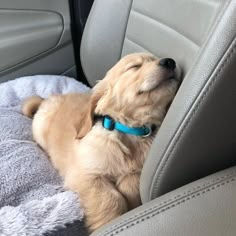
[163,27]
[197,136]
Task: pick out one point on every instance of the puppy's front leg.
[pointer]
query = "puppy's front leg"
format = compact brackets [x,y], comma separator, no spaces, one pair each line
[100,199]
[128,185]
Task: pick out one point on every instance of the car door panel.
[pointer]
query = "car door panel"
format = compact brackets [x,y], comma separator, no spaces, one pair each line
[29,33]
[35,38]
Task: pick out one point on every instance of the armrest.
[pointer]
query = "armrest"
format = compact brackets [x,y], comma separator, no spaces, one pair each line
[204,207]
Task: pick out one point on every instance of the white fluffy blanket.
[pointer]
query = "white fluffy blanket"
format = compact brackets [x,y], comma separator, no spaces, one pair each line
[32,200]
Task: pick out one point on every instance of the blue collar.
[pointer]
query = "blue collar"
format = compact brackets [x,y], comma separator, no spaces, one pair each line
[110,124]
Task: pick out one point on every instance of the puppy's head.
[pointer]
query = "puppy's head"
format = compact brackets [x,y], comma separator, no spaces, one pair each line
[137,90]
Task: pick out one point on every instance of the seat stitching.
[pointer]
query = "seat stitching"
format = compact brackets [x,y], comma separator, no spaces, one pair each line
[154,188]
[141,217]
[194,191]
[125,31]
[165,25]
[138,44]
[206,89]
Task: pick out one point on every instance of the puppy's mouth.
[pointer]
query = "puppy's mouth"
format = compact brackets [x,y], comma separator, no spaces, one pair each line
[171,77]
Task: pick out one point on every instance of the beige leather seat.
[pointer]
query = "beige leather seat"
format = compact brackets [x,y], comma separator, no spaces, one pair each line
[183,189]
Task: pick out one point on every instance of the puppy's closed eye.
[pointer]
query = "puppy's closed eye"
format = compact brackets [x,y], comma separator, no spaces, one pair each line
[135,64]
[132,66]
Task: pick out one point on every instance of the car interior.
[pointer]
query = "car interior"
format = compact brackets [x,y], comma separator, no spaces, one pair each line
[188,180]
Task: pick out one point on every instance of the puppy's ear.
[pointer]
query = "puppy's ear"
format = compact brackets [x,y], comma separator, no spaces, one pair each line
[84,126]
[88,117]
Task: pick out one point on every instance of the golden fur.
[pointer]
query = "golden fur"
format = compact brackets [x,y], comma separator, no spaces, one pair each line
[103,166]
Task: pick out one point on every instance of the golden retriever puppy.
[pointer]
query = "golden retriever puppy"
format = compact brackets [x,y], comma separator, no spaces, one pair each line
[98,141]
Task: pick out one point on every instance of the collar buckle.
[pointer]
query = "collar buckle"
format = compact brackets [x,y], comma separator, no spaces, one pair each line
[149,131]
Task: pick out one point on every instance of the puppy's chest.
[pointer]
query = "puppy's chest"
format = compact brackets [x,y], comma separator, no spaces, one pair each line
[108,163]
[125,165]
[104,154]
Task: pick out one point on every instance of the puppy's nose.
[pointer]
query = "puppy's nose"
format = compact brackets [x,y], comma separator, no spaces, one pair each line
[168,63]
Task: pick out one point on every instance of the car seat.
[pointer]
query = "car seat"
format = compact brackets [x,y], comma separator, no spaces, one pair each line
[188,180]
